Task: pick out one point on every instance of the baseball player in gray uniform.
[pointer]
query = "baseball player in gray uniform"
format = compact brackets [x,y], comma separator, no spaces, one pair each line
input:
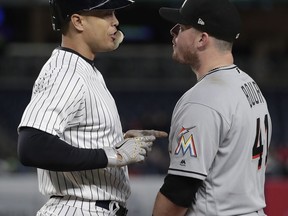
[221,128]
[71,130]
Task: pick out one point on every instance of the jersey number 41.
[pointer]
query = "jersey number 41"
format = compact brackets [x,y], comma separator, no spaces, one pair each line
[261,142]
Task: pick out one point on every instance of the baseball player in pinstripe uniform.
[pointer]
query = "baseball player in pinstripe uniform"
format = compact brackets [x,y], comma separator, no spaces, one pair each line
[71,130]
[221,128]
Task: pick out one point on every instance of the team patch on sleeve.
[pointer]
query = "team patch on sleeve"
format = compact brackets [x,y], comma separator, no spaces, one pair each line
[186,142]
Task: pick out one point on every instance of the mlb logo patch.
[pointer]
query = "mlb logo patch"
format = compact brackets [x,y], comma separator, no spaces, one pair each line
[186,143]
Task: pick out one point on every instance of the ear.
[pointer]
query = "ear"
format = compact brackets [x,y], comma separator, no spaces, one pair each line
[202,40]
[77,21]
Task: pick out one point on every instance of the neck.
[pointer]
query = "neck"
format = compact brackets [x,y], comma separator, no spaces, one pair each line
[77,45]
[215,61]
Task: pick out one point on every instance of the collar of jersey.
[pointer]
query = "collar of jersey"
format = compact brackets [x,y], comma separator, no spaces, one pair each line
[73,51]
[214,70]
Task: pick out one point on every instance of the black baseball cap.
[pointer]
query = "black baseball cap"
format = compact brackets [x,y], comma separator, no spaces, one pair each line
[219,18]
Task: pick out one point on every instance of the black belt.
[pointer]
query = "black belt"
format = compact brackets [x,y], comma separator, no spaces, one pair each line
[122,211]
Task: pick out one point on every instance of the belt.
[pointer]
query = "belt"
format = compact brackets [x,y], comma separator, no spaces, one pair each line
[122,211]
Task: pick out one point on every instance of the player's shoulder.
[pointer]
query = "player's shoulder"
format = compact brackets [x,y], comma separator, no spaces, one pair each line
[61,68]
[67,61]
[223,82]
[221,88]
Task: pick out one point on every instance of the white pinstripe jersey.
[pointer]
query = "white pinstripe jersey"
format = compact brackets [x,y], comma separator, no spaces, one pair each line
[70,100]
[220,133]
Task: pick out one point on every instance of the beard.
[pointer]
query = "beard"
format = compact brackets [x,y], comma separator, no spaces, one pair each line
[187,57]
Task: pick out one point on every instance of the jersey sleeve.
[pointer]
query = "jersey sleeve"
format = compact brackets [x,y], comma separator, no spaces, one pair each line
[194,140]
[56,103]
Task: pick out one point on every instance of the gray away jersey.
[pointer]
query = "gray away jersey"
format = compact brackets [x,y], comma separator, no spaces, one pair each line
[70,100]
[220,133]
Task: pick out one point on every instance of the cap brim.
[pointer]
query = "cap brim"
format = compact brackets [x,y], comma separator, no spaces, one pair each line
[172,14]
[115,4]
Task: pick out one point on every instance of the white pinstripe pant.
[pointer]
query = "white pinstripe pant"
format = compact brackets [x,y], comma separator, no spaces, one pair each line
[60,207]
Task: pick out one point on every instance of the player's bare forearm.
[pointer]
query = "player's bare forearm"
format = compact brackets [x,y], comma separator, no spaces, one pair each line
[137,133]
[164,207]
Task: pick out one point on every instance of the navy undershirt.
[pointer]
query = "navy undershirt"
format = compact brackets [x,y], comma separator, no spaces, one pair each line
[40,149]
[181,190]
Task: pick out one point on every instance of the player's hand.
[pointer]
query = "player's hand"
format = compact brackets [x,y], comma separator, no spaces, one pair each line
[128,151]
[138,133]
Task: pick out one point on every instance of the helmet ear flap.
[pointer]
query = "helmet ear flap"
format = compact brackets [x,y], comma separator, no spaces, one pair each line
[56,15]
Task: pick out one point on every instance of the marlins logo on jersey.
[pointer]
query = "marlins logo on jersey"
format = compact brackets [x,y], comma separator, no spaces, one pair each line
[186,142]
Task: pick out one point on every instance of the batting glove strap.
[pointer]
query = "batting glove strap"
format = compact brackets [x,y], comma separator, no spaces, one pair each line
[111,154]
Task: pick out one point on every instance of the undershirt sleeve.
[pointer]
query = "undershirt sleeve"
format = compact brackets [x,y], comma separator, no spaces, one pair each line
[40,149]
[181,190]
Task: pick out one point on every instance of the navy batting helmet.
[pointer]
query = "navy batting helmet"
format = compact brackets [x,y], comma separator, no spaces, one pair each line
[61,10]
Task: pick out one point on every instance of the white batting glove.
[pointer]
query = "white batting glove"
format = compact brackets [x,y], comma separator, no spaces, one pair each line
[128,151]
